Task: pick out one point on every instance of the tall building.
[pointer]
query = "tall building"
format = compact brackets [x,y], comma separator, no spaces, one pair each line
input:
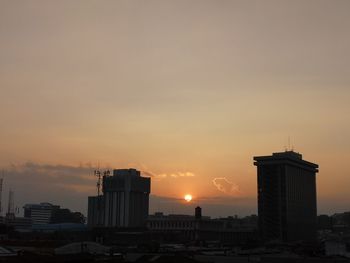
[124,203]
[286,197]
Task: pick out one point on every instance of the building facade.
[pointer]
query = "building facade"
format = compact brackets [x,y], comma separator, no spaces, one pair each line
[39,213]
[286,197]
[20,224]
[95,211]
[124,203]
[200,228]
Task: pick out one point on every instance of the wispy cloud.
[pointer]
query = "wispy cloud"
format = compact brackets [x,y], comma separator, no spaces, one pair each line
[50,174]
[79,179]
[225,186]
[64,185]
[167,175]
[148,173]
[176,175]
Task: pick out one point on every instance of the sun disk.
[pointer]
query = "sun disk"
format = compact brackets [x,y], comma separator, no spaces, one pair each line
[188,198]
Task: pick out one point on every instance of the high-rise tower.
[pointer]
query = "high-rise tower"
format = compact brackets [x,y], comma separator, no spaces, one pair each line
[125,200]
[286,197]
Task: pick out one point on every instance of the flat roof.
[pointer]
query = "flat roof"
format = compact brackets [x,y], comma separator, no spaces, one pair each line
[288,157]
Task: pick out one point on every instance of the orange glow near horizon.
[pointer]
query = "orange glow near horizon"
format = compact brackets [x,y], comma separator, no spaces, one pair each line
[188,198]
[186,96]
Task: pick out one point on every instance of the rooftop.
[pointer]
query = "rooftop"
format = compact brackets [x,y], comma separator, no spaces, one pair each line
[289,157]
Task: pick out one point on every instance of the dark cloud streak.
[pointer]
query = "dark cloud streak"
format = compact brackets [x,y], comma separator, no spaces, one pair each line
[64,185]
[69,186]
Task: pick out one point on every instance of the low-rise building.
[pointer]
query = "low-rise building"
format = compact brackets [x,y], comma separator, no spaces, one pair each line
[200,228]
[40,213]
[21,224]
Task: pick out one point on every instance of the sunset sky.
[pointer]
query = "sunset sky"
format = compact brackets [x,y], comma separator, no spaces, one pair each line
[185,91]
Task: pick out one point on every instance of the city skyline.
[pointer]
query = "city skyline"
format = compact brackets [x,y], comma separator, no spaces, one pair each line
[186,92]
[169,205]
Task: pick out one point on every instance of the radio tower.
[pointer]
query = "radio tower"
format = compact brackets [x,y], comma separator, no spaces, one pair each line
[98,184]
[98,174]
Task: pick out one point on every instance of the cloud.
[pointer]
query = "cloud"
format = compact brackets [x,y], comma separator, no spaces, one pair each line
[148,174]
[64,185]
[69,187]
[50,174]
[225,186]
[160,176]
[176,175]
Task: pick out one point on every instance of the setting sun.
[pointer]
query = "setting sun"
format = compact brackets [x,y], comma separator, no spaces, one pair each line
[188,198]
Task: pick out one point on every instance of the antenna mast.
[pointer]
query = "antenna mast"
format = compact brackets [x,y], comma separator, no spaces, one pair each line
[98,174]
[289,143]
[98,184]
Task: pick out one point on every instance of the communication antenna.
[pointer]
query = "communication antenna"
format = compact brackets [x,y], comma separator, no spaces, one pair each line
[98,174]
[289,147]
[106,173]
[98,184]
[289,143]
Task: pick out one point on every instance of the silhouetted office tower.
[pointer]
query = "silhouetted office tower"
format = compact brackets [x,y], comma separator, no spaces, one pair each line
[126,198]
[286,197]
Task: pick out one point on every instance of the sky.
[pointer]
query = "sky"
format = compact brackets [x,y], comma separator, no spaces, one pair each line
[185,91]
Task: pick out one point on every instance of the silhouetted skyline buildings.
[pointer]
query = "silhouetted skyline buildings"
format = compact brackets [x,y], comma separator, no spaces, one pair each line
[287,206]
[125,200]
[40,213]
[201,229]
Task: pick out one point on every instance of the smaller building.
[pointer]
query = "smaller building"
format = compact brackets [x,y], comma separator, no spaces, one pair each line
[336,248]
[20,224]
[82,247]
[68,227]
[200,228]
[39,213]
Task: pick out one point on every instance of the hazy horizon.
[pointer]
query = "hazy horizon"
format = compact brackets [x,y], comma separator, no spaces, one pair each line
[185,91]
